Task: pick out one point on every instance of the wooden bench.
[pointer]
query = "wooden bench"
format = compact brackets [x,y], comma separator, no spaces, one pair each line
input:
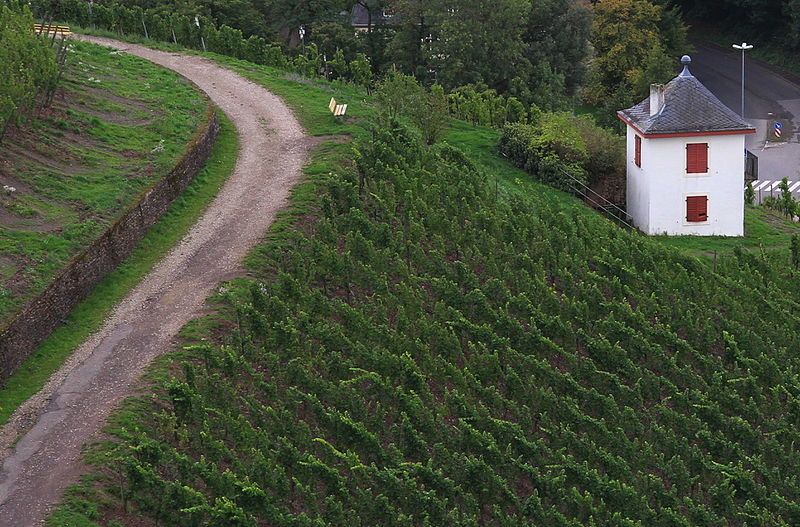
[338,110]
[52,31]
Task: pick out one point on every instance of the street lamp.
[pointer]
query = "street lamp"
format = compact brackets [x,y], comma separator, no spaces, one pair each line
[202,38]
[744,46]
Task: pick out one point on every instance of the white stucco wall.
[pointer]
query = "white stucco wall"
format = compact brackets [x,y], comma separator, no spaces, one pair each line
[638,185]
[657,192]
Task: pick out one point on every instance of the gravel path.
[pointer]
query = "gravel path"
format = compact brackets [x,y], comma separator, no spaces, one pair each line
[42,443]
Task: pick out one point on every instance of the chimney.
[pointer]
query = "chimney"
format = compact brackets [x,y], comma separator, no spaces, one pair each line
[656,98]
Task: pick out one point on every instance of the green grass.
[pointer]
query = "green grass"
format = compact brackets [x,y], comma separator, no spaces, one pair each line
[90,314]
[481,144]
[764,229]
[118,125]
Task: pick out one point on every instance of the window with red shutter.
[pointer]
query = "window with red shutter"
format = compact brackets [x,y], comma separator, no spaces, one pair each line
[697,158]
[697,209]
[638,154]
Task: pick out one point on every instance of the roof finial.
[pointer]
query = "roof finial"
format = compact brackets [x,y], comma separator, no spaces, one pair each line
[686,60]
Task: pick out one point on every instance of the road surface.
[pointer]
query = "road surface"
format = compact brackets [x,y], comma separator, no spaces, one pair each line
[769,96]
[54,425]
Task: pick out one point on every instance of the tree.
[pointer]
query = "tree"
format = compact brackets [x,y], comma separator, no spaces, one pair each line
[631,50]
[361,71]
[481,41]
[331,37]
[27,64]
[749,194]
[396,93]
[556,39]
[430,114]
[786,202]
[768,19]
[287,16]
[796,251]
[792,12]
[410,48]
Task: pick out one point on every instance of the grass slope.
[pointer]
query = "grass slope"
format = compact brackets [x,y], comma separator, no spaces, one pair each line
[88,316]
[118,124]
[420,346]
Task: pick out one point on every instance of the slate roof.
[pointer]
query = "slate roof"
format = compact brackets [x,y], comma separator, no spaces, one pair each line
[359,17]
[689,108]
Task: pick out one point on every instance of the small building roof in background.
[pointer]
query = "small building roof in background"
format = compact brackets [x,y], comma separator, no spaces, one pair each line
[688,108]
[359,17]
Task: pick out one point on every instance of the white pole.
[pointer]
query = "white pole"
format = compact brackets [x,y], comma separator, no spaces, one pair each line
[744,46]
[202,39]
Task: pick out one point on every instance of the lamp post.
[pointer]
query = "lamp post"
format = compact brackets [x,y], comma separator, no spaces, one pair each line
[743,47]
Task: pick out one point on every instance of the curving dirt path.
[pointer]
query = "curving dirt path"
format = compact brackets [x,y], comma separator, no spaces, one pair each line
[53,426]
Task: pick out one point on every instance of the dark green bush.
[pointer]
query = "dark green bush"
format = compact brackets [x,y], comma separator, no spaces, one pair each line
[559,148]
[27,63]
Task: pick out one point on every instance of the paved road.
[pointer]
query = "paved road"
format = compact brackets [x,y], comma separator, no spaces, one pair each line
[769,96]
[55,424]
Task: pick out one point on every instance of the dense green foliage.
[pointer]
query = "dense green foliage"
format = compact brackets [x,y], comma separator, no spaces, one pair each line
[535,51]
[636,43]
[27,63]
[774,21]
[184,29]
[560,148]
[426,351]
[785,202]
[485,107]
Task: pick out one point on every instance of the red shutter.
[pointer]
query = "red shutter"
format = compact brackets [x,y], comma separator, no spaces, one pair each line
[638,155]
[697,158]
[697,208]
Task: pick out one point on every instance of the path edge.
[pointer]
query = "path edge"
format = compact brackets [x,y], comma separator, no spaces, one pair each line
[43,314]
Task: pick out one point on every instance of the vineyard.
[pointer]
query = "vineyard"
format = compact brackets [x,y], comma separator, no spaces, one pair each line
[427,350]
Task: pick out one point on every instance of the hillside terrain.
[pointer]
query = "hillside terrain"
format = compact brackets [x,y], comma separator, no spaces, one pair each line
[117,125]
[429,344]
[430,328]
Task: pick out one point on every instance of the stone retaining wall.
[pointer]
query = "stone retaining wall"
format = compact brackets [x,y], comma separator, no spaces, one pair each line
[42,315]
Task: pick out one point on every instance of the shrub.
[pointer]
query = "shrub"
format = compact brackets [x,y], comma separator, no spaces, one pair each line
[27,64]
[479,105]
[397,92]
[749,194]
[605,148]
[550,156]
[402,95]
[557,147]
[430,114]
[361,71]
[515,111]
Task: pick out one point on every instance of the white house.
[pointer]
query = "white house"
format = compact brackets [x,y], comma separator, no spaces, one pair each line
[686,161]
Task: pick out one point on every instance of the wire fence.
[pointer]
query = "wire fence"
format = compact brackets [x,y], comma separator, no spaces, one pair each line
[598,201]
